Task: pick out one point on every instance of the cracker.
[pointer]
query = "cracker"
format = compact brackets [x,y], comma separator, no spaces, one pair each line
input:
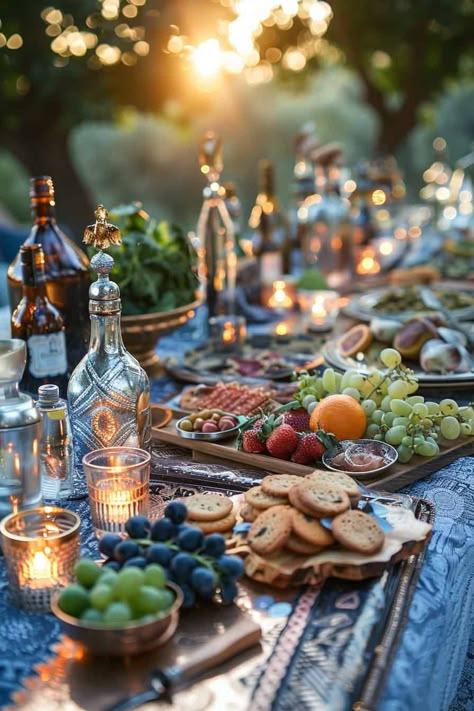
[257,498]
[207,507]
[310,529]
[279,484]
[358,532]
[222,525]
[270,530]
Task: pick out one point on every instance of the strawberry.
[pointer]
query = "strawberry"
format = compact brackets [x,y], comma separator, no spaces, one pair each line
[282,442]
[309,448]
[298,419]
[252,443]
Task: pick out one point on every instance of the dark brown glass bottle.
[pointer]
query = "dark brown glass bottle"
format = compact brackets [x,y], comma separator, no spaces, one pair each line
[66,269]
[271,239]
[39,323]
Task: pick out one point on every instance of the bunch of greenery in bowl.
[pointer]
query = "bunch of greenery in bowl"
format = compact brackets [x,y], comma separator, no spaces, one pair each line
[155,266]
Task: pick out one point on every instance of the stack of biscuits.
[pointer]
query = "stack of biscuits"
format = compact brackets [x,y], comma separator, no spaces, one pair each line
[285,512]
[212,513]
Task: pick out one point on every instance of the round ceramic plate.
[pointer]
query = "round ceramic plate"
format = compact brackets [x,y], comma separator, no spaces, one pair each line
[365,362]
[262,359]
[211,436]
[382,449]
[362,307]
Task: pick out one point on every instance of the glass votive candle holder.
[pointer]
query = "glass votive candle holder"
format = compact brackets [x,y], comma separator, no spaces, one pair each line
[324,310]
[227,333]
[41,547]
[118,480]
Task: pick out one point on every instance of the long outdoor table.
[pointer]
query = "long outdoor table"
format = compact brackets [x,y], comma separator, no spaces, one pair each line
[434,666]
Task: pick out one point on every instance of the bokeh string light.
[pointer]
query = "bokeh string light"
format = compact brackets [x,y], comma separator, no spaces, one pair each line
[116,33]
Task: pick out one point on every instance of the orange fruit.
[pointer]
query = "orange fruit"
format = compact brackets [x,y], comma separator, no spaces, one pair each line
[341,415]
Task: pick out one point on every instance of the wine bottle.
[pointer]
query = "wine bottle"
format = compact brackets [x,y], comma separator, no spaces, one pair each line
[271,243]
[66,269]
[39,323]
[215,233]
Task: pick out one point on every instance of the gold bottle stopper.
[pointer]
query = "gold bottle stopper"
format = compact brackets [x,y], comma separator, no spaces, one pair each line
[210,156]
[102,234]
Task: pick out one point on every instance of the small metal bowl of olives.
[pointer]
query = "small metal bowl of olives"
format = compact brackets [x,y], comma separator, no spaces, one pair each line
[210,425]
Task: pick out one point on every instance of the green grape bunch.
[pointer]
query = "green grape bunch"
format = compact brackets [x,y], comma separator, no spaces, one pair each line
[395,413]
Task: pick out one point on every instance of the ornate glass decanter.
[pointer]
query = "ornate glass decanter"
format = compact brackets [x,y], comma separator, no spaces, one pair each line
[215,233]
[108,392]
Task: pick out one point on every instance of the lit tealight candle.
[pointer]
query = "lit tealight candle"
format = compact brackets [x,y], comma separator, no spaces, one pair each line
[282,332]
[280,299]
[368,263]
[118,482]
[324,310]
[318,311]
[41,547]
[228,334]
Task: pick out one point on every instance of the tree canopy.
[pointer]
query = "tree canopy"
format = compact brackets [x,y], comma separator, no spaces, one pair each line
[75,61]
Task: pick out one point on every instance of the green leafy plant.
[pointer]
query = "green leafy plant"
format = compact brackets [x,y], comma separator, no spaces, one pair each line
[155,266]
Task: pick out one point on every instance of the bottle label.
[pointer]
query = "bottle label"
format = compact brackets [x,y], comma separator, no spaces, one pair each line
[47,354]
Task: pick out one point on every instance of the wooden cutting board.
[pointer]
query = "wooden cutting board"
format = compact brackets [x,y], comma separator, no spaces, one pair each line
[392,479]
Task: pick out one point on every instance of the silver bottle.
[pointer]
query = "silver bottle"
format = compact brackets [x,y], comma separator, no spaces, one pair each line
[56,453]
[108,392]
[20,433]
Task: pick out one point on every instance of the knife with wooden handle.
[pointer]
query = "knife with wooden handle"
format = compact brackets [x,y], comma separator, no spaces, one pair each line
[218,649]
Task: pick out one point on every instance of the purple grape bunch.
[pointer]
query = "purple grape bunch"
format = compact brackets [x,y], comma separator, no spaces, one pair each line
[197,563]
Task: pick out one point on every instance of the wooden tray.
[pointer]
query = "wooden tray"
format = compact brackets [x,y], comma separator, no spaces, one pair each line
[392,479]
[286,569]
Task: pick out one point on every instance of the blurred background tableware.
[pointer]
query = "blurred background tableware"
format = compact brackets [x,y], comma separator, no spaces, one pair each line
[118,481]
[20,434]
[41,547]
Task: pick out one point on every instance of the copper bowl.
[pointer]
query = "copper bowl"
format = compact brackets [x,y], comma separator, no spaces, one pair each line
[141,333]
[134,638]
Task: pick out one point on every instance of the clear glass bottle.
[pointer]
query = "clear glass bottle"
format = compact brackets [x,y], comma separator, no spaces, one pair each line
[302,187]
[234,208]
[20,432]
[215,234]
[325,220]
[271,240]
[39,323]
[66,269]
[56,452]
[108,392]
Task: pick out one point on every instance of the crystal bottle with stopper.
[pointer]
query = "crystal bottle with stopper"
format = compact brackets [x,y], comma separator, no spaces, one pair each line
[109,392]
[215,233]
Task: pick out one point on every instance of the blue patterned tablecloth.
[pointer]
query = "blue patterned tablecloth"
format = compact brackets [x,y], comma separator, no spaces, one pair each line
[434,667]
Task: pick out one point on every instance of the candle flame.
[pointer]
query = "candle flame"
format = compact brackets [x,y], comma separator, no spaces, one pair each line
[368,263]
[281,329]
[280,299]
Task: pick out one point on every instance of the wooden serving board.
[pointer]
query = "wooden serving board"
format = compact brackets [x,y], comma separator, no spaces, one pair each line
[283,568]
[392,479]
